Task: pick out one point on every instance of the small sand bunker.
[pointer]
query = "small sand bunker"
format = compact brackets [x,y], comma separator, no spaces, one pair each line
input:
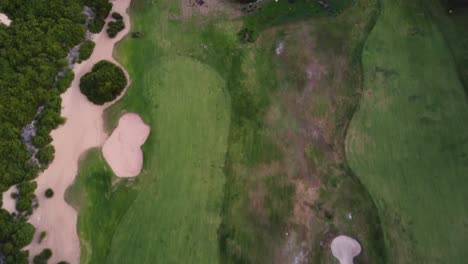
[122,150]
[345,248]
[4,20]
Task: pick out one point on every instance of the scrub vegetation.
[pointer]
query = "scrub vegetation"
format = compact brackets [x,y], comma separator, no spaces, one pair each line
[86,49]
[407,143]
[32,53]
[103,83]
[114,27]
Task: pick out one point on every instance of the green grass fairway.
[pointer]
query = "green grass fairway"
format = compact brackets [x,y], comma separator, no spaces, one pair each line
[408,142]
[170,213]
[220,170]
[175,216]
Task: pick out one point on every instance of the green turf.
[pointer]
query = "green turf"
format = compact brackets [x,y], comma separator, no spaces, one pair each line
[408,141]
[173,208]
[180,189]
[101,202]
[175,217]
[181,71]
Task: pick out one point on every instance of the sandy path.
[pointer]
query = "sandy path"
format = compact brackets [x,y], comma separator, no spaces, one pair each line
[122,150]
[5,20]
[84,129]
[9,203]
[345,248]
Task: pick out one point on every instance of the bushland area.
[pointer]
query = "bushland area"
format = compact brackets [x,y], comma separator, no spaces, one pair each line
[33,50]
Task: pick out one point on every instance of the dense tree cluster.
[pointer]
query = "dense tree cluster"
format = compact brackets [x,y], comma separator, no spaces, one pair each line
[43,257]
[33,73]
[103,83]
[116,26]
[101,9]
[15,233]
[26,200]
[86,49]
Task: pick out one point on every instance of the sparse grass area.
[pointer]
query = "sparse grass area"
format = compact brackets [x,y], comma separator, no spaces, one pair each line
[407,143]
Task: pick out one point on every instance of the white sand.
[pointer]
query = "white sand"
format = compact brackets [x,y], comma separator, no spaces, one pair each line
[84,129]
[345,248]
[5,20]
[9,203]
[122,149]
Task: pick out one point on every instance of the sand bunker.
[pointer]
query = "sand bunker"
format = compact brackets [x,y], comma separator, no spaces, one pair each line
[5,20]
[123,148]
[345,248]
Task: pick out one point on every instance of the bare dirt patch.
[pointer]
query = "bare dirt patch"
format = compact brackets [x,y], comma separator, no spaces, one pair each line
[122,150]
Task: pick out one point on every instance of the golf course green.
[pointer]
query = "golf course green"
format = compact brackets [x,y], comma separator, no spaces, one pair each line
[180,188]
[408,140]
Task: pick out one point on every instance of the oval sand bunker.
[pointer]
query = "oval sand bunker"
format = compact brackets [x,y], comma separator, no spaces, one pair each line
[5,20]
[345,248]
[122,150]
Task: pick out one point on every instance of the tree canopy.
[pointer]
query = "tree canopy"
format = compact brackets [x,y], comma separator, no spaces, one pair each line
[33,73]
[103,83]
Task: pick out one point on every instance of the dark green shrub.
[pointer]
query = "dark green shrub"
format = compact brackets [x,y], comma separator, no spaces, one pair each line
[86,50]
[116,16]
[246,35]
[65,81]
[137,34]
[114,28]
[46,155]
[104,83]
[42,236]
[101,8]
[25,197]
[49,193]
[43,257]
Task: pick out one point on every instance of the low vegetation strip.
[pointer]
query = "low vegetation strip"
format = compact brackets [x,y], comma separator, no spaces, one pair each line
[407,142]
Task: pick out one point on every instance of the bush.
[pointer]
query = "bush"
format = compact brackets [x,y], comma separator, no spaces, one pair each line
[246,35]
[26,197]
[86,50]
[114,28]
[43,257]
[46,155]
[104,83]
[65,81]
[42,236]
[101,8]
[117,16]
[49,193]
